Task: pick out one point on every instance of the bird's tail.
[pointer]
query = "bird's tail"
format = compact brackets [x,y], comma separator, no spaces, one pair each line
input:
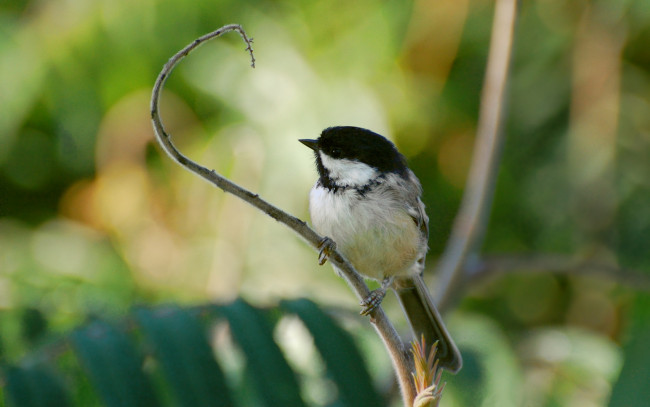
[426,320]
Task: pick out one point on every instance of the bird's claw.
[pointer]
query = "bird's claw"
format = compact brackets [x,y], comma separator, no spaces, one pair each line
[372,301]
[326,247]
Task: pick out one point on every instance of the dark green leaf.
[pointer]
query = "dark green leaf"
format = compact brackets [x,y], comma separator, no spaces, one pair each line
[114,367]
[180,344]
[272,377]
[34,325]
[34,387]
[344,363]
[632,388]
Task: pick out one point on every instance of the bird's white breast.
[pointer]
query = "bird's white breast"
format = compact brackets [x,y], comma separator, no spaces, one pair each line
[374,232]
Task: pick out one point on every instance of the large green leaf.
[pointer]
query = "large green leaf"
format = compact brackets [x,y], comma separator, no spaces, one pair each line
[189,373]
[273,379]
[34,387]
[632,387]
[180,344]
[113,365]
[344,363]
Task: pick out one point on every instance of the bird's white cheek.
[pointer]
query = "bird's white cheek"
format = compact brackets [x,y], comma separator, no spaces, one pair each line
[346,172]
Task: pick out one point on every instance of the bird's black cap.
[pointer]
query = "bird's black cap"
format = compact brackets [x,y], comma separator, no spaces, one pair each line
[359,144]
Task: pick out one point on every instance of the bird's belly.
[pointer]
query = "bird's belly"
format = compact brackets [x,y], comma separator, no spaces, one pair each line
[378,238]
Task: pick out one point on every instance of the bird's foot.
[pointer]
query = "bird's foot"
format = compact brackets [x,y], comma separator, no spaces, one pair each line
[374,299]
[326,247]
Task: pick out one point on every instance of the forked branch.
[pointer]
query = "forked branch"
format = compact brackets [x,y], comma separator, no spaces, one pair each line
[469,224]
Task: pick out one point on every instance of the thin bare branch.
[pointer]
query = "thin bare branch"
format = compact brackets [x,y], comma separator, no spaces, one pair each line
[492,266]
[469,225]
[399,356]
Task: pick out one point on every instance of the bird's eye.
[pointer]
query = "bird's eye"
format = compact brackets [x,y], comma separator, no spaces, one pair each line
[335,152]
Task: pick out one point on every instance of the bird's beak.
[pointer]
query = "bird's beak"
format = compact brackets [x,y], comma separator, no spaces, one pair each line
[313,144]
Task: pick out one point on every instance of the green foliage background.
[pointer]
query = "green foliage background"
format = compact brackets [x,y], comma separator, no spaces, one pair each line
[93,219]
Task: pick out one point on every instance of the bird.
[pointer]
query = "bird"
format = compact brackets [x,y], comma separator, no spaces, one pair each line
[367,203]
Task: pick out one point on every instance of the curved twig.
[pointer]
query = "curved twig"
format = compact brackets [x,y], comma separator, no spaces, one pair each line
[381,323]
[469,225]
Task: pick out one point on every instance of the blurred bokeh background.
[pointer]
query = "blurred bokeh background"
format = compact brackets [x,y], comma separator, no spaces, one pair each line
[94,218]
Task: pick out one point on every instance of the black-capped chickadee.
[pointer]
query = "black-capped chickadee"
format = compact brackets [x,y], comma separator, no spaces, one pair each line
[368,202]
